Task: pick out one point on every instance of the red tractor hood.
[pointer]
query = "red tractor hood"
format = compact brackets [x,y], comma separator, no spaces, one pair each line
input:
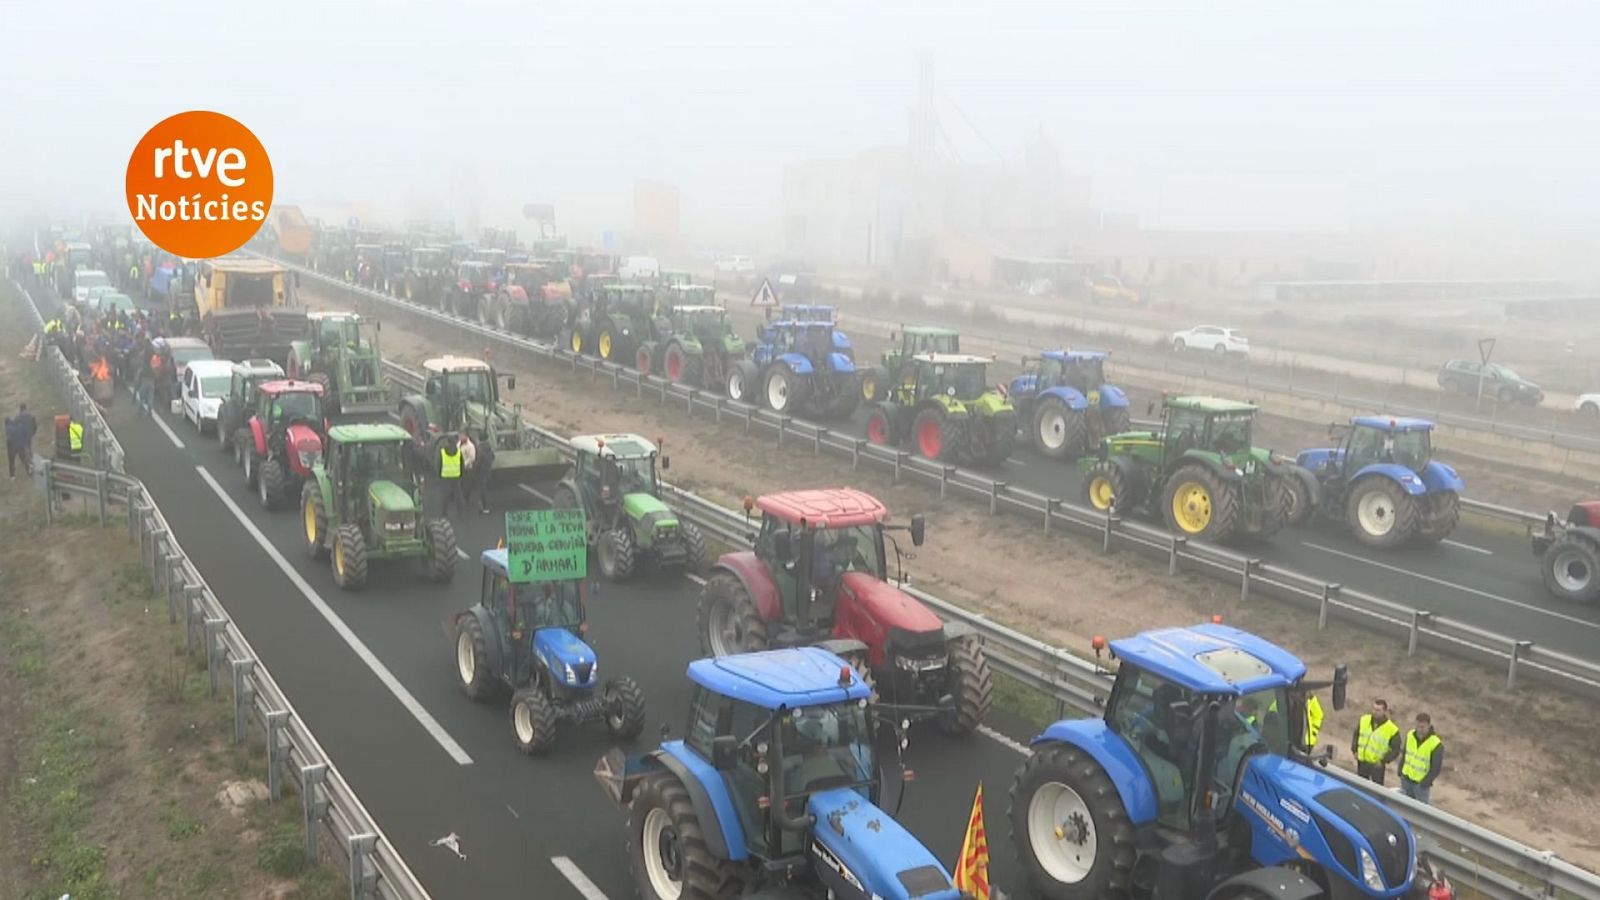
[886,604]
[301,439]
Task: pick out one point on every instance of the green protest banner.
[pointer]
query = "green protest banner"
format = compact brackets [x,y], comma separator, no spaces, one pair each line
[546,545]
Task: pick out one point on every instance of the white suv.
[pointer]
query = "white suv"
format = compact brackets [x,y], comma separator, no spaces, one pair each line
[735,265]
[1214,338]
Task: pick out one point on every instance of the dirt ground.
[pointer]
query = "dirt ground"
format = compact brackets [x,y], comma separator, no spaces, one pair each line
[113,762]
[1063,590]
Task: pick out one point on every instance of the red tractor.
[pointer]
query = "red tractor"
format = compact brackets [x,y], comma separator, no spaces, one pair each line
[818,576]
[1569,553]
[283,440]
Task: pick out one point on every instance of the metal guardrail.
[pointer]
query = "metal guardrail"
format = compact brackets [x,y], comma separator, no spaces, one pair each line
[331,811]
[1077,686]
[1418,628]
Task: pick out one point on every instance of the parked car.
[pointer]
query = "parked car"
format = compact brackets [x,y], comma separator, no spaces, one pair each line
[1212,338]
[1588,404]
[1499,382]
[84,279]
[202,390]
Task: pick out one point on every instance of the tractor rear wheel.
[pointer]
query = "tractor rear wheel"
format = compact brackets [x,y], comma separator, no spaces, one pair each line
[533,721]
[608,342]
[624,704]
[676,363]
[783,390]
[1059,431]
[349,558]
[617,553]
[269,483]
[1571,569]
[1200,505]
[729,622]
[315,519]
[1300,504]
[742,378]
[442,555]
[971,683]
[1116,420]
[694,546]
[641,360]
[1069,827]
[666,846]
[472,659]
[694,369]
[930,434]
[880,430]
[1381,514]
[1440,512]
[330,397]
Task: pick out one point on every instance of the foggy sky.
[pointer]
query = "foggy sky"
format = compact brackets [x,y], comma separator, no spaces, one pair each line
[1260,116]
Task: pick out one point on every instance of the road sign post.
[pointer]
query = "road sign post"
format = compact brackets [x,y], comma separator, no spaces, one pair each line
[765,297]
[546,545]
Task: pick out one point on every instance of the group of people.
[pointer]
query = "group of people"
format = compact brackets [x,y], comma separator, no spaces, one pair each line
[463,469]
[1376,743]
[120,347]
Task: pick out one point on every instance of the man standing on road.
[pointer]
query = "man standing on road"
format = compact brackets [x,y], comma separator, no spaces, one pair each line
[1423,758]
[1374,742]
[451,463]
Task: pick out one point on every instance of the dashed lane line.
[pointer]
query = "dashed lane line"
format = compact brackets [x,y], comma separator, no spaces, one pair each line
[587,888]
[1462,546]
[167,430]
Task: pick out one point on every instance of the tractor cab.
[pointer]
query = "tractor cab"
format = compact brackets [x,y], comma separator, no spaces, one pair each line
[951,375]
[240,404]
[919,339]
[1369,440]
[454,382]
[430,259]
[613,467]
[674,278]
[280,404]
[687,295]
[1082,370]
[493,257]
[371,462]
[475,276]
[539,620]
[615,483]
[1206,425]
[538,280]
[807,312]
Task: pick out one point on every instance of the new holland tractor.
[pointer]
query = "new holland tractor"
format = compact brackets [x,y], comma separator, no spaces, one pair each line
[819,575]
[1068,407]
[463,394]
[1194,785]
[1382,481]
[363,502]
[611,322]
[281,443]
[1569,553]
[943,408]
[694,345]
[796,368]
[915,340]
[774,792]
[342,355]
[528,639]
[614,481]
[1198,472]
[813,312]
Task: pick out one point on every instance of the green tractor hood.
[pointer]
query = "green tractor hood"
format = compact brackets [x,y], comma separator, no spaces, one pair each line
[390,497]
[640,506]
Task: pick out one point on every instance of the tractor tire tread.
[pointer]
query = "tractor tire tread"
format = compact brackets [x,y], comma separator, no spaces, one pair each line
[726,586]
[631,723]
[442,555]
[353,546]
[542,714]
[705,877]
[972,685]
[1111,876]
[483,681]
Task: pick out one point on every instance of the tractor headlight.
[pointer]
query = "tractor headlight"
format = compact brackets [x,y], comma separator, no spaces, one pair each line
[1369,872]
[308,458]
[925,664]
[398,523]
[572,677]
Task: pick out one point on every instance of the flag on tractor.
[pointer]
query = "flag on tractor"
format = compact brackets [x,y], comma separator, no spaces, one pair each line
[972,869]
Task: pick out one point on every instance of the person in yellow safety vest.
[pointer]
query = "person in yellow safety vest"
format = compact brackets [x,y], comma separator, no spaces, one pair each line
[133,278]
[1374,742]
[450,464]
[52,327]
[1424,757]
[1313,708]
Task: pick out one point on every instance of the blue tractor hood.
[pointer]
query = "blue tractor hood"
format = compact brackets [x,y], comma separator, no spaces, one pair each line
[860,850]
[560,650]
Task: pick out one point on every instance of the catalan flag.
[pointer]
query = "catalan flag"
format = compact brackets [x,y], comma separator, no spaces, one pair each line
[972,869]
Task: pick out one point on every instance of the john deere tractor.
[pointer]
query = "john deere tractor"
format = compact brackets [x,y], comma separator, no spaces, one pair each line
[611,321]
[943,408]
[691,344]
[364,502]
[342,355]
[463,394]
[1198,471]
[616,485]
[915,340]
[1066,404]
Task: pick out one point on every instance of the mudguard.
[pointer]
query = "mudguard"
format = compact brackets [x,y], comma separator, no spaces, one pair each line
[1395,472]
[258,435]
[954,630]
[757,581]
[1071,396]
[1438,477]
[719,820]
[1275,883]
[491,638]
[841,342]
[840,363]
[323,486]
[1216,467]
[1113,754]
[796,362]
[560,649]
[1312,485]
[1112,397]
[1023,386]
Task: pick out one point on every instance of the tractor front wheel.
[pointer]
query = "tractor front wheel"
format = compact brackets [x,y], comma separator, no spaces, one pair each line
[330,397]
[269,483]
[1059,431]
[742,376]
[1380,512]
[617,553]
[676,363]
[694,546]
[930,434]
[880,430]
[1440,513]
[641,360]
[1300,503]
[971,683]
[1200,505]
[472,659]
[315,518]
[608,342]
[666,846]
[1571,569]
[1106,488]
[1069,827]
[729,622]
[533,721]
[442,555]
[624,704]
[350,558]
[875,384]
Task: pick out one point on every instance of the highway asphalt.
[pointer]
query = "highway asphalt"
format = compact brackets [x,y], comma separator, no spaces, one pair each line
[371,673]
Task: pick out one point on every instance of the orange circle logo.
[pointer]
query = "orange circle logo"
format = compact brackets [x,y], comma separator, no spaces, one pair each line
[199,184]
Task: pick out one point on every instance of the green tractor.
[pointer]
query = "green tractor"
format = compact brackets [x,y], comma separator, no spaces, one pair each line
[914,341]
[364,502]
[1199,470]
[612,321]
[691,343]
[346,362]
[463,394]
[944,408]
[616,485]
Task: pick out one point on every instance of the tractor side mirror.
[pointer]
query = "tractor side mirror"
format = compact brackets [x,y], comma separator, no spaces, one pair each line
[782,546]
[511,383]
[919,529]
[666,463]
[1341,685]
[724,752]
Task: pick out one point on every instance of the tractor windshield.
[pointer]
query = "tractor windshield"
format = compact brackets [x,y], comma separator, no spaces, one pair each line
[636,476]
[703,321]
[1085,374]
[966,378]
[1230,432]
[468,387]
[550,604]
[841,550]
[340,331]
[302,405]
[378,462]
[825,747]
[935,343]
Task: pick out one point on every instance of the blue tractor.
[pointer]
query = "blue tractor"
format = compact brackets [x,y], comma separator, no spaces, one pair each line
[796,367]
[773,792]
[1382,480]
[527,637]
[1062,398]
[1195,785]
[814,312]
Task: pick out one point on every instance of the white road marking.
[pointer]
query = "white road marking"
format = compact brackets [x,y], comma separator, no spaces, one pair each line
[1467,547]
[1457,587]
[167,430]
[587,888]
[427,721]
[1003,741]
[512,811]
[462,553]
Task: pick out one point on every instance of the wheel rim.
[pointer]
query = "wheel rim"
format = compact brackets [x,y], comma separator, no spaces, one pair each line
[674,366]
[641,361]
[1571,571]
[778,392]
[1100,493]
[338,558]
[311,524]
[466,658]
[1053,429]
[1061,832]
[877,429]
[930,438]
[522,717]
[613,704]
[662,861]
[1191,507]
[736,386]
[726,633]
[605,345]
[869,388]
[1375,513]
[261,488]
[577,342]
